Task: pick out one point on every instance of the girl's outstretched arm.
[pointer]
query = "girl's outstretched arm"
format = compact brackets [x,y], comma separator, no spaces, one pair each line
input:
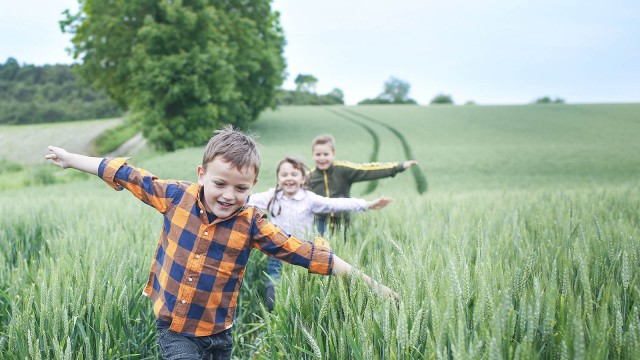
[379,203]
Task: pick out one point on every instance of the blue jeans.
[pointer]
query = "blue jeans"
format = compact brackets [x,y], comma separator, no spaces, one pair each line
[274,268]
[174,346]
[320,225]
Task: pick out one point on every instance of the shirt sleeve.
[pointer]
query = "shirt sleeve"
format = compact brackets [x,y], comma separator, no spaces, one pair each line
[142,184]
[324,205]
[316,255]
[261,199]
[370,171]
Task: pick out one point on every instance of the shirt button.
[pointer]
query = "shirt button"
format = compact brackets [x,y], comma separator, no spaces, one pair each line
[206,233]
[190,279]
[201,211]
[184,301]
[198,256]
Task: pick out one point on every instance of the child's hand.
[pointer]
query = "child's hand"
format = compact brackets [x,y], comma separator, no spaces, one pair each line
[385,291]
[58,156]
[379,203]
[379,288]
[409,163]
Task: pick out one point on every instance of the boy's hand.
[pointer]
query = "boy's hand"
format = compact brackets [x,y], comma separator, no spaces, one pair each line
[64,159]
[409,163]
[58,156]
[379,288]
[379,203]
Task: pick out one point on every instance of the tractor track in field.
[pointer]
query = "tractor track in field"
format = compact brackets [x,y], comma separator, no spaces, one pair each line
[373,157]
[421,180]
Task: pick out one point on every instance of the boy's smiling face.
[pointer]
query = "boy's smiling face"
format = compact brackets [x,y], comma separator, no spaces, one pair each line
[323,155]
[226,188]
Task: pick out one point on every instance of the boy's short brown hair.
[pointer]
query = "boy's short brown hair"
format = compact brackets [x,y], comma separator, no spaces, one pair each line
[322,140]
[235,147]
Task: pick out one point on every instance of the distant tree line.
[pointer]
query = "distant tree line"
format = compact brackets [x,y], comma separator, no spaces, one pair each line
[548,100]
[395,91]
[39,94]
[305,93]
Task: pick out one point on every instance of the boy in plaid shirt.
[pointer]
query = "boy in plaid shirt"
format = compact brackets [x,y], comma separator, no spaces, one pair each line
[207,236]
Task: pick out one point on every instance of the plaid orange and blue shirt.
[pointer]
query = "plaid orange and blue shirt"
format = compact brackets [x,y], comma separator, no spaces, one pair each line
[198,266]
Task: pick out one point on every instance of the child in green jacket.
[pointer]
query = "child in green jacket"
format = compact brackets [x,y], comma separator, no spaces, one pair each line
[333,178]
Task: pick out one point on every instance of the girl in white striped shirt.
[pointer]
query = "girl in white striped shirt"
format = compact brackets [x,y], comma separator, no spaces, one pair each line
[293,207]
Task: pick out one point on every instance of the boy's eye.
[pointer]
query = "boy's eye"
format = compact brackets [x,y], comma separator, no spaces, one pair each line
[242,188]
[218,183]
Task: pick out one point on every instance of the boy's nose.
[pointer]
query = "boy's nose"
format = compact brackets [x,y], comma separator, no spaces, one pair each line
[227,193]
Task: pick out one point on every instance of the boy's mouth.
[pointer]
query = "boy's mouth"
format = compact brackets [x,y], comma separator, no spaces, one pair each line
[224,204]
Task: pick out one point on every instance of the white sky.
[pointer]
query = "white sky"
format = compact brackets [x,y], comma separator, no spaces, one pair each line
[491,51]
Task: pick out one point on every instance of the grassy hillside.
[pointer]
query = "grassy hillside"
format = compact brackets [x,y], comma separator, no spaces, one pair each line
[471,148]
[27,144]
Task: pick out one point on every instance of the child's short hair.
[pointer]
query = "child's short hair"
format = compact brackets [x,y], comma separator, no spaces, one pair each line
[322,140]
[235,147]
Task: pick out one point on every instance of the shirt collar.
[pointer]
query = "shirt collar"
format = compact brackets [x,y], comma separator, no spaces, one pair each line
[299,195]
[203,214]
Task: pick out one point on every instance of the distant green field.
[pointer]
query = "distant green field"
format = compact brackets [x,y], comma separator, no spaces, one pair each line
[524,246]
[461,148]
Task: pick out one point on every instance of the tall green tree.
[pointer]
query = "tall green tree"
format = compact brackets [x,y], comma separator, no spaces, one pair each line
[181,67]
[306,83]
[442,99]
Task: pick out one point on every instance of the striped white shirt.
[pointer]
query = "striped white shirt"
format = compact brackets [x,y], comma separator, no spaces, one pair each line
[295,215]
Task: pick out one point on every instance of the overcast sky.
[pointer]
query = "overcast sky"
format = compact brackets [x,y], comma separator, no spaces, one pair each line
[490,52]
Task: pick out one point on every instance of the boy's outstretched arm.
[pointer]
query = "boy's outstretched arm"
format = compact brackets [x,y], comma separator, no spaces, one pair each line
[341,267]
[409,163]
[65,159]
[379,203]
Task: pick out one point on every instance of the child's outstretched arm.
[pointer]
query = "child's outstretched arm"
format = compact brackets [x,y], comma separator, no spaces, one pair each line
[379,203]
[324,205]
[64,159]
[409,163]
[341,267]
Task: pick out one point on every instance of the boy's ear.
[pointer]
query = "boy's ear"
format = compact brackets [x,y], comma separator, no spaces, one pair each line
[200,175]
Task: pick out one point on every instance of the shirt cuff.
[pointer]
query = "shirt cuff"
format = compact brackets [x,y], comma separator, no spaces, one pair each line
[108,168]
[321,257]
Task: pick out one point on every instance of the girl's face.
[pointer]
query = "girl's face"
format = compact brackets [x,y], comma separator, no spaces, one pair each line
[290,179]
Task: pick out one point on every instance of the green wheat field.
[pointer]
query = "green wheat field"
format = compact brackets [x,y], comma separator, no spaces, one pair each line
[516,237]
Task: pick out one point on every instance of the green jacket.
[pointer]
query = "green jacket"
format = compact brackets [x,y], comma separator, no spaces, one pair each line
[336,181]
